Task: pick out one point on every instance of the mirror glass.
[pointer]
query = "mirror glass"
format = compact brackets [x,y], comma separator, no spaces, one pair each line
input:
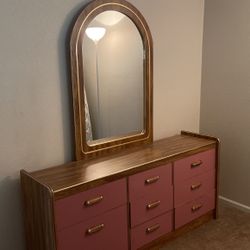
[113,71]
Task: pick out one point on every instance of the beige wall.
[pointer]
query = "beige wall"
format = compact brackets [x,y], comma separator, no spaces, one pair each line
[35,102]
[225,96]
[177,28]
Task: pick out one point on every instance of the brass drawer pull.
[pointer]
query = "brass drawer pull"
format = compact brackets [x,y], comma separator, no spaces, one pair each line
[196,207]
[153,205]
[152,180]
[93,201]
[196,164]
[152,228]
[195,186]
[95,229]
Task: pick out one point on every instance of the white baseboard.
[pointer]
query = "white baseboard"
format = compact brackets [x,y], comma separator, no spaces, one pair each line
[235,204]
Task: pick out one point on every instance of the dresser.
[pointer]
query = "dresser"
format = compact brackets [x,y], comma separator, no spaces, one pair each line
[134,199]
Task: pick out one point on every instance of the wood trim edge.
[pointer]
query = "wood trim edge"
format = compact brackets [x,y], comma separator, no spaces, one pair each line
[38,211]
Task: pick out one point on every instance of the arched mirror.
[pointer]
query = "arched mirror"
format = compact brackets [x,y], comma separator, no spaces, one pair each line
[111,67]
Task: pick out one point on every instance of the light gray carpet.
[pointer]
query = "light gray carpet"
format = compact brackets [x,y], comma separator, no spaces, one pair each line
[230,232]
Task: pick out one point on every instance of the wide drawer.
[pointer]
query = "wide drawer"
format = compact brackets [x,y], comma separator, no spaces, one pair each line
[194,165]
[194,209]
[193,188]
[82,206]
[108,231]
[150,181]
[150,206]
[151,230]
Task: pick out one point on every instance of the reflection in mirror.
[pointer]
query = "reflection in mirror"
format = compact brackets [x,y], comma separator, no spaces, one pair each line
[114,77]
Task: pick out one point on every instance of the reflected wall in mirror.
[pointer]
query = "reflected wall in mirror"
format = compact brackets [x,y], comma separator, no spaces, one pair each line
[111,67]
[113,77]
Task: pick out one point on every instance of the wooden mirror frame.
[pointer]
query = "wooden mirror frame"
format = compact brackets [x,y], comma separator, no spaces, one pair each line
[106,145]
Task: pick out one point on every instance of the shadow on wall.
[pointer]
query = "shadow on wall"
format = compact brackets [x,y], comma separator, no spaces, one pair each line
[11,210]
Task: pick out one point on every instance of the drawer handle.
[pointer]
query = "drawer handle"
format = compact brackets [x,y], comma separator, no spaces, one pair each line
[93,201]
[95,229]
[195,186]
[196,207]
[152,228]
[153,205]
[152,180]
[196,164]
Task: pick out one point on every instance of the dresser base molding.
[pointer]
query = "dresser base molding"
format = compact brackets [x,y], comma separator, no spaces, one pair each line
[156,244]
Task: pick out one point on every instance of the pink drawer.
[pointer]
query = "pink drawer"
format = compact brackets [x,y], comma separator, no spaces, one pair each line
[108,231]
[194,209]
[150,181]
[193,188]
[151,230]
[150,206]
[194,165]
[82,206]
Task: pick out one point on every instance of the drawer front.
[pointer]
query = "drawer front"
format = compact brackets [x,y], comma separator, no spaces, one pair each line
[108,231]
[194,165]
[194,209]
[150,206]
[85,205]
[151,230]
[193,188]
[150,181]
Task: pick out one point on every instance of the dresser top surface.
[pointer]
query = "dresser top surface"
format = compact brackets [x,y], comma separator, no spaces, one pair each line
[87,174]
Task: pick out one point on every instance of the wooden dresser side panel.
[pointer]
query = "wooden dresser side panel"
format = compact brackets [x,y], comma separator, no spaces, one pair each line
[38,214]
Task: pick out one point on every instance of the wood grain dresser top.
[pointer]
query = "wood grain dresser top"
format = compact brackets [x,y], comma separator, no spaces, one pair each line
[77,176]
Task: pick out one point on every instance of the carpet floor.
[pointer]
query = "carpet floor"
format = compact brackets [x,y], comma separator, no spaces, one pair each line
[230,232]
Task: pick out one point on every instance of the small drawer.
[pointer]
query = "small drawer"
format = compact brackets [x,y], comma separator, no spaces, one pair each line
[151,230]
[194,165]
[193,188]
[107,231]
[150,206]
[147,182]
[84,205]
[194,209]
